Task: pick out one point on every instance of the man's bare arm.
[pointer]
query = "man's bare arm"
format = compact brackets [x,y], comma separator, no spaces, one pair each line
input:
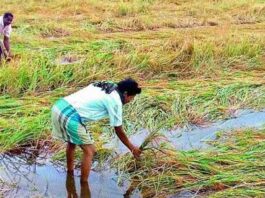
[122,136]
[7,45]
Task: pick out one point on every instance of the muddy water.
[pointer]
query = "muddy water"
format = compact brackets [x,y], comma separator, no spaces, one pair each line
[38,177]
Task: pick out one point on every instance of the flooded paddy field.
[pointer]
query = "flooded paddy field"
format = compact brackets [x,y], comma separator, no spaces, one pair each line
[32,172]
[199,120]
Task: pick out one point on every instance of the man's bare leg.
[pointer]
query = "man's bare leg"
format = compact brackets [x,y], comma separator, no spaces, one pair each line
[88,153]
[70,153]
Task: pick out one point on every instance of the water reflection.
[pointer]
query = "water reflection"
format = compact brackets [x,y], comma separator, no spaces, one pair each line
[85,191]
[33,175]
[71,189]
[70,186]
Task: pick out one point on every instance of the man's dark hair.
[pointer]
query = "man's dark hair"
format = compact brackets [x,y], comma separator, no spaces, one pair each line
[129,86]
[7,14]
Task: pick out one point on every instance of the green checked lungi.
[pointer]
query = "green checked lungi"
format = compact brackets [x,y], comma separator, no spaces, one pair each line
[67,125]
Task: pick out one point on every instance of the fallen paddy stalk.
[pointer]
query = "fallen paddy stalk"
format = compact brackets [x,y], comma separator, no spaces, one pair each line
[235,164]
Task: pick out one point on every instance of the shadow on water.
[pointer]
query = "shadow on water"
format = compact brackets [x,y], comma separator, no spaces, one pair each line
[34,175]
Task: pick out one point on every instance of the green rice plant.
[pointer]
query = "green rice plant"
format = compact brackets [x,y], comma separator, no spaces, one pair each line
[154,133]
[243,50]
[203,55]
[222,172]
[24,121]
[24,131]
[131,8]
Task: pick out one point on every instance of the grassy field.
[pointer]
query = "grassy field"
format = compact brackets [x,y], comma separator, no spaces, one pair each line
[198,61]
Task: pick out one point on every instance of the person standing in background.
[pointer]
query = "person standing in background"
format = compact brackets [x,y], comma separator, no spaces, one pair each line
[5,30]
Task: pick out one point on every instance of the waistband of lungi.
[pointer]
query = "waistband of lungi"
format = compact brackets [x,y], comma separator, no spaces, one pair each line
[67,111]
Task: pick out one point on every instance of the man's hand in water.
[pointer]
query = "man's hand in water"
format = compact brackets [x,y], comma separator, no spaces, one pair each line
[136,152]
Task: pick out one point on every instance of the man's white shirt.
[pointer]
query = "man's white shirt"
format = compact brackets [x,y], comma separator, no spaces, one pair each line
[4,30]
